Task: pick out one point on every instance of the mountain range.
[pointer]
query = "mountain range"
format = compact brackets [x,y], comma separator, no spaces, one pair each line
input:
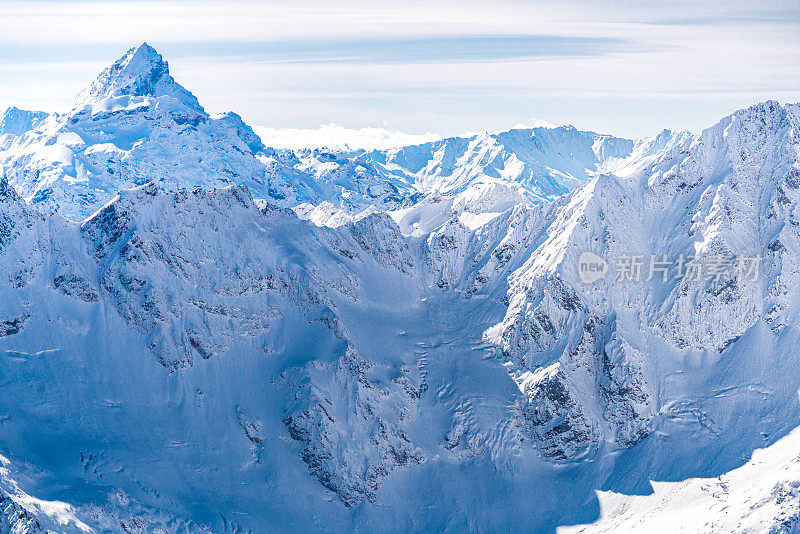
[204,334]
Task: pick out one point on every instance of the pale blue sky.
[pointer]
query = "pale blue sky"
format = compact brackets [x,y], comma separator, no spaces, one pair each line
[622,67]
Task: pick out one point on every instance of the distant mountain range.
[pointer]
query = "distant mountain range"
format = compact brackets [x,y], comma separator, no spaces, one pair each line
[135,117]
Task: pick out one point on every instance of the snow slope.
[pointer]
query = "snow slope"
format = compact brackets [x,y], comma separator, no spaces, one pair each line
[760,496]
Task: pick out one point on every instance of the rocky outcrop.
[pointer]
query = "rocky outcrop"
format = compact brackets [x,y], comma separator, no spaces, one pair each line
[351,428]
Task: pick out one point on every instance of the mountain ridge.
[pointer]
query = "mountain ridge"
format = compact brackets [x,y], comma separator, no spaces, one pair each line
[62,165]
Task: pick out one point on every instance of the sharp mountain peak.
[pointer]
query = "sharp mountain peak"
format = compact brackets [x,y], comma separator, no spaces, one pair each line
[141,71]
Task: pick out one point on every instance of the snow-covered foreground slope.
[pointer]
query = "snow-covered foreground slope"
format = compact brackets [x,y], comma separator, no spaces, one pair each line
[237,366]
[192,358]
[761,496]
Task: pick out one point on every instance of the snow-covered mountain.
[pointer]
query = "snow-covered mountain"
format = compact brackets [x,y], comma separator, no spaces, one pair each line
[413,346]
[135,124]
[543,163]
[15,121]
[539,163]
[135,117]
[600,364]
[472,178]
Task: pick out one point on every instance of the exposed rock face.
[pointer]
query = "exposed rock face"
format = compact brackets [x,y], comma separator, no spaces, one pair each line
[554,417]
[378,235]
[337,405]
[14,518]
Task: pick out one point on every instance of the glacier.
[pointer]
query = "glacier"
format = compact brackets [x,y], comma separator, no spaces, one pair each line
[200,333]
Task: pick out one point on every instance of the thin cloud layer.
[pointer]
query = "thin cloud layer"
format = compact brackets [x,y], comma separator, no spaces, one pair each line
[339,137]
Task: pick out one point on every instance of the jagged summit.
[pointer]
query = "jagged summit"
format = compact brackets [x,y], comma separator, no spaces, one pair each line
[141,71]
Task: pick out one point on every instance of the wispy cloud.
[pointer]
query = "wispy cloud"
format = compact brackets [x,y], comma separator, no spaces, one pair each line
[448,49]
[334,136]
[387,50]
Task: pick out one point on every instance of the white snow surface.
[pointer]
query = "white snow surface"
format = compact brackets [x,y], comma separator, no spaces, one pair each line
[760,496]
